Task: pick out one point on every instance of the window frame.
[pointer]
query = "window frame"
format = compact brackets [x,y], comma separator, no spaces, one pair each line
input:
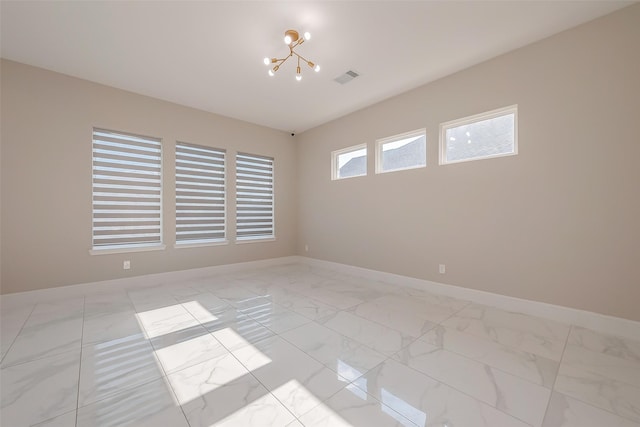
[406,135]
[487,115]
[179,244]
[334,161]
[256,239]
[127,247]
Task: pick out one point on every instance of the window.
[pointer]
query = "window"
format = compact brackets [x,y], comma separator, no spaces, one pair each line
[254,197]
[406,151]
[200,194]
[482,136]
[127,191]
[349,162]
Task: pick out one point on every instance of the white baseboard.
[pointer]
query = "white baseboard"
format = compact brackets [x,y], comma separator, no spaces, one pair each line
[52,294]
[607,324]
[600,322]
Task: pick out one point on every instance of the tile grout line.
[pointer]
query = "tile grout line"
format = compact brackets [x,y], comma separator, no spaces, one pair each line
[581,400]
[18,334]
[497,344]
[348,383]
[460,391]
[229,352]
[84,303]
[265,387]
[164,377]
[553,386]
[436,324]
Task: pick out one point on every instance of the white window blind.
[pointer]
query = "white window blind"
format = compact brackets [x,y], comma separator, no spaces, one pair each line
[200,194]
[254,197]
[127,190]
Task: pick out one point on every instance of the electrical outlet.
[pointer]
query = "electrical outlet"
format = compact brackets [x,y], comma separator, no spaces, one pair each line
[126,265]
[442,268]
[306,248]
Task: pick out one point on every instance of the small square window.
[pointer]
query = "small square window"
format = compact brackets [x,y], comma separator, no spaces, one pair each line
[349,162]
[399,152]
[486,135]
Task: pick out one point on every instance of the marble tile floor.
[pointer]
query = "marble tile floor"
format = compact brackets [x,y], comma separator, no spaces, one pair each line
[300,346]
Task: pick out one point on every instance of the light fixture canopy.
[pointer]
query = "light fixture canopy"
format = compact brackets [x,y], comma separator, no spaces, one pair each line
[292,39]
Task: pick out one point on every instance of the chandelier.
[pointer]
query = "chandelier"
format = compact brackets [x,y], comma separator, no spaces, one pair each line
[292,39]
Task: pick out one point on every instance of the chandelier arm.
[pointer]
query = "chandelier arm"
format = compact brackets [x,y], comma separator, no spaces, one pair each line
[285,59]
[301,57]
[280,61]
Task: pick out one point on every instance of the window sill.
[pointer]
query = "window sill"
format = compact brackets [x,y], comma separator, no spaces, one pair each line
[255,240]
[200,245]
[378,172]
[124,250]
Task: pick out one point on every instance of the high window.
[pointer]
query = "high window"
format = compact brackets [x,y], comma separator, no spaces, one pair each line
[405,151]
[127,191]
[486,135]
[200,194]
[349,162]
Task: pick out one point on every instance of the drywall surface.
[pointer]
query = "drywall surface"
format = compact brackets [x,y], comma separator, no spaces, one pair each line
[47,123]
[557,223]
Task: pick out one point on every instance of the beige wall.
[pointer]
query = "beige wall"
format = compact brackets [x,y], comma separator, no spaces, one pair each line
[558,223]
[47,120]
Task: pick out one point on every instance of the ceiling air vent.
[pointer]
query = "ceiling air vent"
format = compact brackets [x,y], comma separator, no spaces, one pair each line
[346,77]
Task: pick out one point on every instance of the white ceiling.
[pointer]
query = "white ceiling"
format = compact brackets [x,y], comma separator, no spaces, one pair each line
[208,54]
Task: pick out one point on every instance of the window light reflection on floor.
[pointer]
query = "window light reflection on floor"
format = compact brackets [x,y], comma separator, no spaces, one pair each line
[399,406]
[225,370]
[190,339]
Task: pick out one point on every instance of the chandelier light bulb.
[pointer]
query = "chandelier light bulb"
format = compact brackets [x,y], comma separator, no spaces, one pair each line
[293,39]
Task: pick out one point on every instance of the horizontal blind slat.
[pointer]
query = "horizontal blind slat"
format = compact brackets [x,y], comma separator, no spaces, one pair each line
[200,193]
[254,196]
[127,189]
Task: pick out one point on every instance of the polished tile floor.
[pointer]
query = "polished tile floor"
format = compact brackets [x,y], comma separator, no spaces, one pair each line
[300,346]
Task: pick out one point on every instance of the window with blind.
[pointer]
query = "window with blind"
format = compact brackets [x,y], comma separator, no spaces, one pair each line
[127,190]
[254,197]
[200,194]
